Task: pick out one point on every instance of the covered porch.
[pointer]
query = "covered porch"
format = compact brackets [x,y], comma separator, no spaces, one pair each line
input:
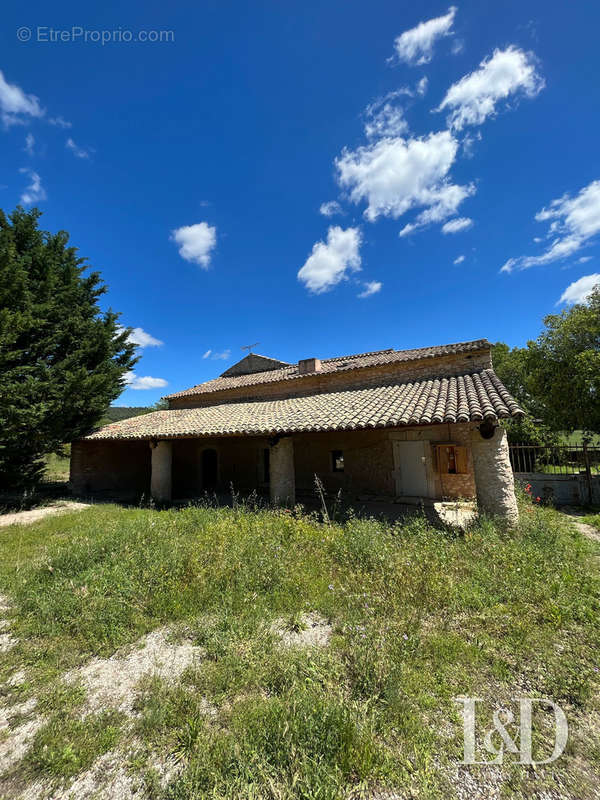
[402,465]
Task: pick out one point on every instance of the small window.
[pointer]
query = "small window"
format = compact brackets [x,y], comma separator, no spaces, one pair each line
[451,459]
[337,460]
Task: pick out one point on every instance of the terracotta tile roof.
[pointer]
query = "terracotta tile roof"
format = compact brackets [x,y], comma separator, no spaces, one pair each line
[338,364]
[463,398]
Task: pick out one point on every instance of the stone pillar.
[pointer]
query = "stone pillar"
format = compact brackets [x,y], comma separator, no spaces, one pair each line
[494,479]
[160,481]
[282,477]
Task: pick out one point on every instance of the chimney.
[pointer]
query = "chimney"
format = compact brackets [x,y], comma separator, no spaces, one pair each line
[307,365]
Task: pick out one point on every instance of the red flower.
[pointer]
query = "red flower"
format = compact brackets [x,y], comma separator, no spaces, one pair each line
[537,500]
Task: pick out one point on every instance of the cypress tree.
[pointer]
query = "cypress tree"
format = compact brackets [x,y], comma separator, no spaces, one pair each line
[62,358]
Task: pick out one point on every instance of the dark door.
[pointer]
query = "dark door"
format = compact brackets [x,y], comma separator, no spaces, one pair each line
[209,468]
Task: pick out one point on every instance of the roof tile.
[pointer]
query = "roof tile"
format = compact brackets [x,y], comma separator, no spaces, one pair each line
[330,365]
[462,398]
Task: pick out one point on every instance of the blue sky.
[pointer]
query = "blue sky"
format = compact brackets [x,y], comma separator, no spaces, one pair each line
[321,178]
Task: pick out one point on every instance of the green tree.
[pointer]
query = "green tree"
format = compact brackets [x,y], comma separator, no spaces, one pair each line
[556,378]
[511,366]
[564,368]
[62,359]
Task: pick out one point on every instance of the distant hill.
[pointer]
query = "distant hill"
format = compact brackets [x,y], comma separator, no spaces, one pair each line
[117,413]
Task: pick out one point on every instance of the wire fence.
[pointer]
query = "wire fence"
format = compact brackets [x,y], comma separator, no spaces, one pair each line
[555,459]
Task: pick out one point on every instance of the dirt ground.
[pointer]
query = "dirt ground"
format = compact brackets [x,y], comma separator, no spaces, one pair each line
[27,517]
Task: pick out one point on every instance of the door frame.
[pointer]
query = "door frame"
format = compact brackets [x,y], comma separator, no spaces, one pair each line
[401,438]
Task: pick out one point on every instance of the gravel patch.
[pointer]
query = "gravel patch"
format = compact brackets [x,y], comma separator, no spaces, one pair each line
[485,784]
[35,514]
[17,678]
[582,527]
[109,778]
[112,682]
[16,743]
[588,530]
[6,640]
[315,631]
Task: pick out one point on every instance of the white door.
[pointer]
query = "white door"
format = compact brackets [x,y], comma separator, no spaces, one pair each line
[410,462]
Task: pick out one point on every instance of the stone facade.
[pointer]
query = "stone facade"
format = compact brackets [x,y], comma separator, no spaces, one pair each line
[494,476]
[282,472]
[161,486]
[363,425]
[115,469]
[379,375]
[242,463]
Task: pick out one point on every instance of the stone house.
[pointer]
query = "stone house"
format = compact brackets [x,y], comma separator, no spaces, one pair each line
[404,424]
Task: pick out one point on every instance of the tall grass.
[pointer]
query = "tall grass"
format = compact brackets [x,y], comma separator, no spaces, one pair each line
[419,616]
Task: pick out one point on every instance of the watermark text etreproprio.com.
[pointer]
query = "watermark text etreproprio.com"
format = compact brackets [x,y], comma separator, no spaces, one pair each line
[45,34]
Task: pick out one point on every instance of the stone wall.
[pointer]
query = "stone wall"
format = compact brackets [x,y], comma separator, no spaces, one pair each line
[406,371]
[368,462]
[123,468]
[445,486]
[120,469]
[560,490]
[240,462]
[494,476]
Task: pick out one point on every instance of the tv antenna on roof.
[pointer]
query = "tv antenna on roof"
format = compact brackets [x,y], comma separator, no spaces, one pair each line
[249,347]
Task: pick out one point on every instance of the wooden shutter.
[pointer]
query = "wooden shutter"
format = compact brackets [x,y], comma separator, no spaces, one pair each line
[442,458]
[462,460]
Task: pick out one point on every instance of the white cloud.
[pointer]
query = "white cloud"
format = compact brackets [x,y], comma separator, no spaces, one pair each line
[220,356]
[371,287]
[35,192]
[468,143]
[422,86]
[29,144]
[396,175]
[60,122]
[385,119]
[573,222]
[330,209]
[328,263]
[196,242]
[459,259]
[15,105]
[415,46]
[457,225]
[143,339]
[584,259]
[143,382]
[77,151]
[474,97]
[579,291]
[445,201]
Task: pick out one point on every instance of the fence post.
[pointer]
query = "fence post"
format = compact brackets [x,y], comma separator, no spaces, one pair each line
[588,470]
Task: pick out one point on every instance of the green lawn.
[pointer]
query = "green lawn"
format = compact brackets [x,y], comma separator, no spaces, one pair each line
[565,469]
[576,438]
[418,617]
[57,467]
[592,519]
